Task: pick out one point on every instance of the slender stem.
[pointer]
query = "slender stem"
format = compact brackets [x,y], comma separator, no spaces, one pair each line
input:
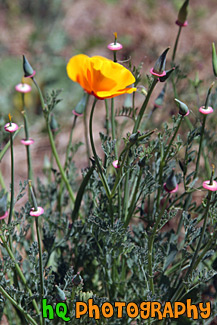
[103,179]
[176,44]
[113,127]
[200,146]
[40,265]
[40,94]
[27,316]
[86,134]
[29,162]
[12,181]
[144,105]
[173,137]
[150,245]
[134,200]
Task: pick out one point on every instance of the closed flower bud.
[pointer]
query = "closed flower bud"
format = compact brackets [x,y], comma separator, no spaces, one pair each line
[183,108]
[27,68]
[80,107]
[3,206]
[60,295]
[214,60]
[159,67]
[171,185]
[128,101]
[182,15]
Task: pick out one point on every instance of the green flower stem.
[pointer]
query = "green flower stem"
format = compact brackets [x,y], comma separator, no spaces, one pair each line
[134,200]
[150,245]
[2,183]
[12,181]
[113,127]
[29,162]
[86,134]
[6,147]
[40,265]
[194,261]
[40,95]
[144,105]
[20,273]
[102,176]
[69,146]
[27,316]
[200,146]
[176,43]
[173,137]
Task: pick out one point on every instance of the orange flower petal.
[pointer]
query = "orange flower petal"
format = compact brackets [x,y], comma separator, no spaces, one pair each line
[77,70]
[100,76]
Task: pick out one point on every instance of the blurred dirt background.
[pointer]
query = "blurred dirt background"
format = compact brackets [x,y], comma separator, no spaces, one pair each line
[49,32]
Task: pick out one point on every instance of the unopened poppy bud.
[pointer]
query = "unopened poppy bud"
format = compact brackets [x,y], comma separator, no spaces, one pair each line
[159,67]
[60,295]
[3,206]
[167,75]
[53,124]
[182,15]
[214,60]
[134,136]
[171,185]
[80,107]
[183,108]
[27,68]
[77,279]
[160,98]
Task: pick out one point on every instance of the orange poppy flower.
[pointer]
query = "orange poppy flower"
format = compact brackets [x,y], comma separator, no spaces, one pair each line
[99,76]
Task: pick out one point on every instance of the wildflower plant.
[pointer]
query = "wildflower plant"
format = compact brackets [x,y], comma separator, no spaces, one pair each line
[139,226]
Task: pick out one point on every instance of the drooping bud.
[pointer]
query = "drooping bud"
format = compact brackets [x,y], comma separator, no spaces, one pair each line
[183,108]
[80,107]
[60,295]
[214,60]
[3,206]
[27,68]
[168,73]
[182,15]
[171,185]
[36,211]
[159,67]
